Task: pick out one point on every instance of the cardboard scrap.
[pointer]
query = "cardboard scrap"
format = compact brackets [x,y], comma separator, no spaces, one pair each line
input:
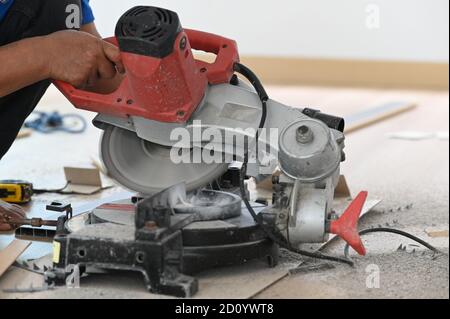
[437,233]
[9,255]
[85,181]
[239,281]
[342,189]
[265,186]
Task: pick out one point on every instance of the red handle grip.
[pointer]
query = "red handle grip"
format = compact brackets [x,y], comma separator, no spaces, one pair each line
[226,50]
[84,99]
[220,71]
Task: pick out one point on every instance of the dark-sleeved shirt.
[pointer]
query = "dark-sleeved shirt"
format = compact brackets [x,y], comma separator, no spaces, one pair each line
[88,16]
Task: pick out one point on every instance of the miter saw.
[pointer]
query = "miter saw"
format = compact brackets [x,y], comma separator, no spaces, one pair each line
[185,135]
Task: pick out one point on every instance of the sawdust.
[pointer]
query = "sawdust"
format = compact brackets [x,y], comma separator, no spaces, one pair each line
[401,275]
[107,230]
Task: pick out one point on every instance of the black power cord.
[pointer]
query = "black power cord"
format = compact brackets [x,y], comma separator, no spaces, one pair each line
[63,192]
[259,88]
[393,231]
[269,231]
[54,191]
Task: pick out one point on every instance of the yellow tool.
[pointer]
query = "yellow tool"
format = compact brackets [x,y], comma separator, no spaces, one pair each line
[16,191]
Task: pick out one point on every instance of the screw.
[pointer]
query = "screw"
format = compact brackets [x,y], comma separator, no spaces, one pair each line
[180,113]
[333,216]
[183,43]
[304,134]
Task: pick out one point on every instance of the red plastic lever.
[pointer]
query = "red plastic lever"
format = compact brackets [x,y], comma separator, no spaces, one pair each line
[346,226]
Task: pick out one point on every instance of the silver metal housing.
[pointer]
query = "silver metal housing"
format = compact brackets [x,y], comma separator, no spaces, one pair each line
[311,155]
[134,151]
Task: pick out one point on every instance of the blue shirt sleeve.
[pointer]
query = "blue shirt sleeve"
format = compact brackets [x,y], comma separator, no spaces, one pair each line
[88,15]
[4,7]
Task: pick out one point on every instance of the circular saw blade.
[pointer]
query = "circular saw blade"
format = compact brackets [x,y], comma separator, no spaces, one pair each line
[146,167]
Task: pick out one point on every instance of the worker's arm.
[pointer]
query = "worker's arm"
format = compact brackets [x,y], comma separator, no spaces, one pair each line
[91,28]
[71,56]
[21,66]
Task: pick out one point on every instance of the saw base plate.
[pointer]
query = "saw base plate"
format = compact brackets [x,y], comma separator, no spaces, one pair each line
[106,238]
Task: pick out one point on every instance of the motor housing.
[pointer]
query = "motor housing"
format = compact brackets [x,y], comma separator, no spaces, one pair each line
[163,77]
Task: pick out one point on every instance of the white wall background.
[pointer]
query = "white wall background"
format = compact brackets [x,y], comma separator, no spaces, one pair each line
[410,30]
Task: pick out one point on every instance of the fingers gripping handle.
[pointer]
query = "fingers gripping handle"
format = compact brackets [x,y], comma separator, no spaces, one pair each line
[346,226]
[84,98]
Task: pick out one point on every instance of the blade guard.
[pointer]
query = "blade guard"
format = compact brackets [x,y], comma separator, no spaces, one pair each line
[346,226]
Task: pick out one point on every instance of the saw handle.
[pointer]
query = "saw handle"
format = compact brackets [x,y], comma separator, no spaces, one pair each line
[222,69]
[82,98]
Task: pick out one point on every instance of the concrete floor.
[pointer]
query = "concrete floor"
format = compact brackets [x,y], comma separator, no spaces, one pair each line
[400,172]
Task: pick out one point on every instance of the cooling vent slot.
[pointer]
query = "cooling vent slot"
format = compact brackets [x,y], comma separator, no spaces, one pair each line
[148,23]
[148,31]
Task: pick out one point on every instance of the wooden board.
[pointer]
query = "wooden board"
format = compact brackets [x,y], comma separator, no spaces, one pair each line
[9,255]
[376,114]
[355,73]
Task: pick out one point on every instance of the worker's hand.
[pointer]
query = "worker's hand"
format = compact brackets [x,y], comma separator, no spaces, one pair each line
[81,59]
[9,212]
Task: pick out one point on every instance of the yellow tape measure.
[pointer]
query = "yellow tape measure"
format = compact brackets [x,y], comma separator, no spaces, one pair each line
[16,191]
